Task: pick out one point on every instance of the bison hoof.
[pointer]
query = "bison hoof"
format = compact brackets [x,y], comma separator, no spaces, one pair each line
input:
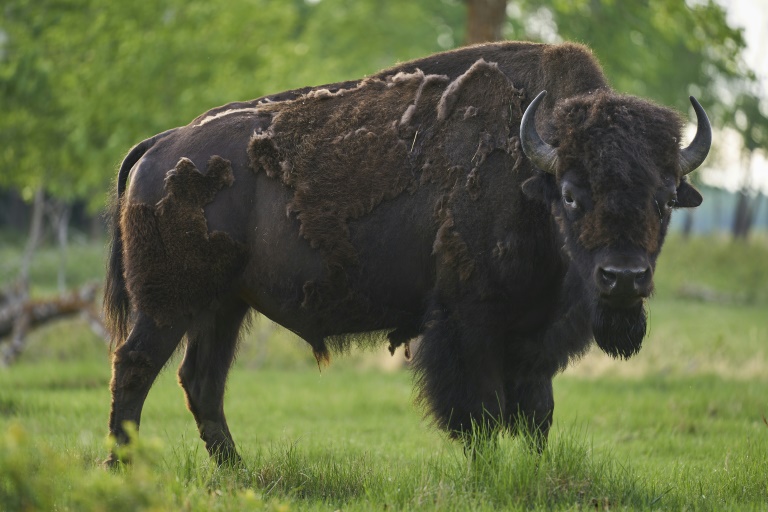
[114,462]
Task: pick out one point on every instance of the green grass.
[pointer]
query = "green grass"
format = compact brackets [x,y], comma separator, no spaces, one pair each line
[349,438]
[737,270]
[680,427]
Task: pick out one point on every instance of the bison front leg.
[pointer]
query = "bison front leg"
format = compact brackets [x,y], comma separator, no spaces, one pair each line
[135,366]
[212,340]
[459,373]
[531,403]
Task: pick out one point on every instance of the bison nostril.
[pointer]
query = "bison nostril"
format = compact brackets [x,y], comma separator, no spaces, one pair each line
[608,278]
[642,278]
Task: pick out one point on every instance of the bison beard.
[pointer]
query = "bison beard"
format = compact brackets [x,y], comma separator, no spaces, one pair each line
[619,332]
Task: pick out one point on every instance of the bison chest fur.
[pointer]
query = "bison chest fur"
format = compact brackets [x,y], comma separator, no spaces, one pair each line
[414,204]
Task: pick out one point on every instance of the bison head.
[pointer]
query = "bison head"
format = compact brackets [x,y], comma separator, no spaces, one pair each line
[611,178]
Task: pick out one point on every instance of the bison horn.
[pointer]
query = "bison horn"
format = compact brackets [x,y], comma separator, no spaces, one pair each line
[539,152]
[694,155]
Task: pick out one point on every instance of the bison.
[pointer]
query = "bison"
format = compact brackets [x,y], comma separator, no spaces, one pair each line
[446,199]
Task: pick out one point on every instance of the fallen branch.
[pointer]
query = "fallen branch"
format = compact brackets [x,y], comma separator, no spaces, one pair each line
[19,314]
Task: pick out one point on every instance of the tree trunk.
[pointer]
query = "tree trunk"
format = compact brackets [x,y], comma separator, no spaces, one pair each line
[741,216]
[717,210]
[485,20]
[63,213]
[35,233]
[755,208]
[746,206]
[97,229]
[687,224]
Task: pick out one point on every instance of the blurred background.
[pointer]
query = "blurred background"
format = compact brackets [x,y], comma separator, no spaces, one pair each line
[81,81]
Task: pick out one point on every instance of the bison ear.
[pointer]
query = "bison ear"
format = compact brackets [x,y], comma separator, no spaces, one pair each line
[540,186]
[687,196]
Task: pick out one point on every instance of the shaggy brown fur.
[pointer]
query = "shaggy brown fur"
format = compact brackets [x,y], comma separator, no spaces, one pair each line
[592,131]
[173,266]
[350,159]
[344,152]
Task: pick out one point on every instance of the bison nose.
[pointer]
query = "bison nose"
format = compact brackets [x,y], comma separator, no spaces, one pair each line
[624,282]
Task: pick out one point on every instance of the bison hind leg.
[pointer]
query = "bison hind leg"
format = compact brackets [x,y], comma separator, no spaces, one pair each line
[135,365]
[212,342]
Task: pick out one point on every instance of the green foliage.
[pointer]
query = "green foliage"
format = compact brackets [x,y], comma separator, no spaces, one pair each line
[750,122]
[662,49]
[84,80]
[32,110]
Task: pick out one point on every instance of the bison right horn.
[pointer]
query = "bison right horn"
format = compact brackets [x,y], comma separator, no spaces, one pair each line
[694,155]
[539,152]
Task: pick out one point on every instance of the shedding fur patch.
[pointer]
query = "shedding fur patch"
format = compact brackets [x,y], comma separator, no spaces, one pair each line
[173,265]
[459,87]
[477,111]
[344,154]
[449,243]
[341,156]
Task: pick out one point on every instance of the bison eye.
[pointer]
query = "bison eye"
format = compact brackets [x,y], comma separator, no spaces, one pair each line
[569,200]
[669,201]
[573,197]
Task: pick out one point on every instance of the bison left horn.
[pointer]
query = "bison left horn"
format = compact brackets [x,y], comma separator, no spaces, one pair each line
[694,155]
[539,152]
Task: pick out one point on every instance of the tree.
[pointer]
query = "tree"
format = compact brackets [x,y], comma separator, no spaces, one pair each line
[485,20]
[86,79]
[662,49]
[753,128]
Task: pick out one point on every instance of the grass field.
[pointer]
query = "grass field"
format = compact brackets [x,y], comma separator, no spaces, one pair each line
[680,426]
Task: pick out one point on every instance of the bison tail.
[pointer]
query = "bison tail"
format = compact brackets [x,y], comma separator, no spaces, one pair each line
[117,303]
